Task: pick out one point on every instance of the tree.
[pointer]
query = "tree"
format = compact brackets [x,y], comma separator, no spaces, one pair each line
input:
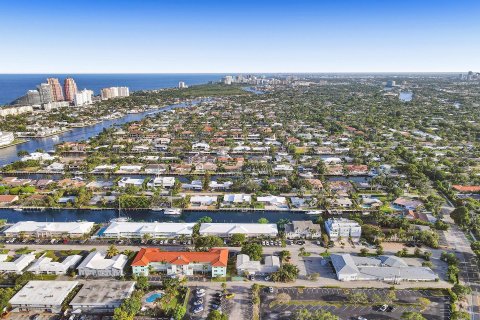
[263,221]
[460,315]
[205,219]
[358,297]
[412,316]
[461,291]
[216,315]
[423,302]
[283,298]
[363,252]
[253,250]
[285,255]
[206,181]
[287,273]
[461,216]
[304,314]
[238,239]
[112,251]
[205,243]
[179,312]
[142,283]
[380,250]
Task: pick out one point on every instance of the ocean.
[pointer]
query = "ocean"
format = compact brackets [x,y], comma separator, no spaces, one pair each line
[13,86]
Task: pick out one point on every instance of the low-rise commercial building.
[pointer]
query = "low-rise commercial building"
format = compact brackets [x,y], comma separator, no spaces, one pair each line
[246,266]
[42,296]
[45,265]
[6,138]
[96,264]
[213,262]
[49,229]
[100,296]
[226,230]
[302,229]
[337,228]
[381,268]
[16,265]
[122,229]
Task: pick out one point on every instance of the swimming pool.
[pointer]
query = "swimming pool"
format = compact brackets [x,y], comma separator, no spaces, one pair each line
[153,297]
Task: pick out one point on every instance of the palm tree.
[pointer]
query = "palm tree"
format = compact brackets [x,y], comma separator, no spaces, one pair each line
[112,251]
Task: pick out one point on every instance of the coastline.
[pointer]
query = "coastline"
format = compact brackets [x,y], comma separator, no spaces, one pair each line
[14,143]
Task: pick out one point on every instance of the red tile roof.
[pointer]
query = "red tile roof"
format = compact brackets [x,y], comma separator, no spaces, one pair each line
[466,188]
[216,257]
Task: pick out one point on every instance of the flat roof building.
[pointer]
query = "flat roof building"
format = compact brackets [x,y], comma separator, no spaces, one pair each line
[49,229]
[100,296]
[344,228]
[45,265]
[42,296]
[245,265]
[96,264]
[16,265]
[122,229]
[226,230]
[381,268]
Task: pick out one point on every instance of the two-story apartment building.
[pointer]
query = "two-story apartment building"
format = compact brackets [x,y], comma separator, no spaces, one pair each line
[343,228]
[302,229]
[213,262]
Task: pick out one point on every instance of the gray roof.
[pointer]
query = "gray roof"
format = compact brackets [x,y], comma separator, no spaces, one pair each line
[103,293]
[344,264]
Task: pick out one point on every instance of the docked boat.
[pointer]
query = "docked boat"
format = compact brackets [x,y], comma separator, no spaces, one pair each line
[314,212]
[17,209]
[156,209]
[172,211]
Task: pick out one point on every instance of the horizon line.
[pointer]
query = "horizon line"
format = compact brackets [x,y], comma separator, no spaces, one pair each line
[233,72]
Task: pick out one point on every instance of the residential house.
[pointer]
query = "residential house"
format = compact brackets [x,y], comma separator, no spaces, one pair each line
[96,264]
[246,266]
[302,229]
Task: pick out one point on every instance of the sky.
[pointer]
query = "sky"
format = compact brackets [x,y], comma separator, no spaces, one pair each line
[104,36]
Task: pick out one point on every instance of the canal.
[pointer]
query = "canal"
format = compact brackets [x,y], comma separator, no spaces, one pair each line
[99,216]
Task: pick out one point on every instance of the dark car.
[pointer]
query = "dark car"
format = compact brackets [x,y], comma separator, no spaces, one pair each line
[390,308]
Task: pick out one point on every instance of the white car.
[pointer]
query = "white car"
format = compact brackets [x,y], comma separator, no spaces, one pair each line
[383,308]
[198,309]
[200,291]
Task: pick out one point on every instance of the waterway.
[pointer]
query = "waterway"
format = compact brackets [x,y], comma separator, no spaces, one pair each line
[9,154]
[100,216]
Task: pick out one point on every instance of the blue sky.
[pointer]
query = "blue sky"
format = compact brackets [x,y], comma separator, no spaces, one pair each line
[239,36]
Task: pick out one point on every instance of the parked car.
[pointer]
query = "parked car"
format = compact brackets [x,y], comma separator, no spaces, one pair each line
[270,289]
[383,308]
[198,302]
[198,309]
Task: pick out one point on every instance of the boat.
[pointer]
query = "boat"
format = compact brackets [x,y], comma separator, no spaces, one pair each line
[172,211]
[120,218]
[314,212]
[156,209]
[17,209]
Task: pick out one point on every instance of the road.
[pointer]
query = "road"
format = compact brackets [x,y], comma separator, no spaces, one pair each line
[469,271]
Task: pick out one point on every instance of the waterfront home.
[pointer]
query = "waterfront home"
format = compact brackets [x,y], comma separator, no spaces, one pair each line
[201,146]
[181,263]
[15,182]
[97,264]
[408,203]
[220,185]
[104,168]
[15,265]
[40,156]
[226,230]
[7,199]
[155,168]
[161,182]
[101,296]
[127,181]
[337,228]
[122,229]
[42,296]
[246,266]
[236,198]
[67,199]
[274,201]
[283,168]
[49,229]
[130,168]
[302,229]
[46,265]
[203,200]
[55,167]
[194,185]
[342,202]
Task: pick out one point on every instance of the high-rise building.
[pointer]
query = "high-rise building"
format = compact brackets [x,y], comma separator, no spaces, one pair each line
[57,92]
[113,92]
[45,91]
[33,97]
[182,85]
[228,80]
[70,88]
[83,97]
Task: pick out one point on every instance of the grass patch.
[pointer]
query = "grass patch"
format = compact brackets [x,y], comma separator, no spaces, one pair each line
[24,250]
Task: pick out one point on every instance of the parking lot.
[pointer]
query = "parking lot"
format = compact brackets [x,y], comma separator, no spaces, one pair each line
[211,298]
[335,301]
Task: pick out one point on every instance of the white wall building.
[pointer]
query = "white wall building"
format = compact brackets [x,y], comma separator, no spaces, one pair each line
[226,230]
[127,181]
[45,265]
[49,229]
[345,228]
[96,264]
[245,265]
[101,296]
[6,138]
[120,229]
[83,97]
[302,229]
[17,265]
[161,182]
[42,296]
